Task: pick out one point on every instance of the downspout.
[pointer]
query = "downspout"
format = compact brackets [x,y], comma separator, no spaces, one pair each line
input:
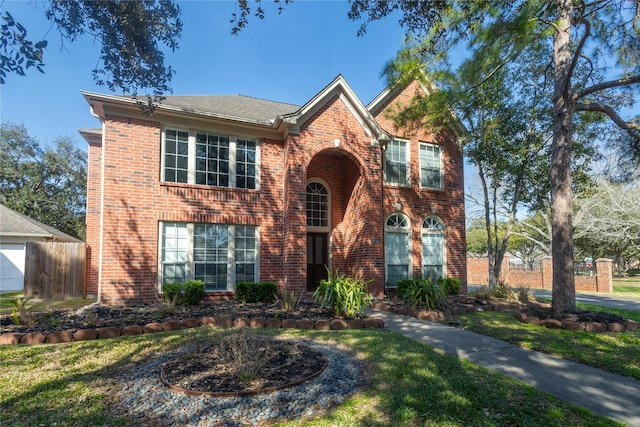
[383,149]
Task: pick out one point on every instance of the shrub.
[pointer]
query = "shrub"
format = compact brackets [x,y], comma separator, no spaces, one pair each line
[632,272]
[248,292]
[194,292]
[428,293]
[405,284]
[246,352]
[347,296]
[172,292]
[503,291]
[452,286]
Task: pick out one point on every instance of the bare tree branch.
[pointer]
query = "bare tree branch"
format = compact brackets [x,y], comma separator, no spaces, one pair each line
[630,127]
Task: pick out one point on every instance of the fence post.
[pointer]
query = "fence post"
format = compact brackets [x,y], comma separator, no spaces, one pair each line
[547,272]
[604,275]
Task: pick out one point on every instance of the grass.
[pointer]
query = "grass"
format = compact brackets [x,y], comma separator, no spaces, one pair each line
[8,300]
[409,384]
[614,352]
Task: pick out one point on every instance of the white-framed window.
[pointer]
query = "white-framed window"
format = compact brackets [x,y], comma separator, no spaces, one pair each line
[433,264]
[218,254]
[396,163]
[397,240]
[431,175]
[318,206]
[204,158]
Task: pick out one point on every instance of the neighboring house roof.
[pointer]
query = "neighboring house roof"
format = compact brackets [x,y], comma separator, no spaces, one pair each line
[13,223]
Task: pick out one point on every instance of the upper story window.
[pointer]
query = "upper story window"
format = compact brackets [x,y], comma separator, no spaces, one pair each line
[210,159]
[396,163]
[430,166]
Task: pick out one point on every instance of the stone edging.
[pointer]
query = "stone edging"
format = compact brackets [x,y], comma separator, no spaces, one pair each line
[437,315]
[172,325]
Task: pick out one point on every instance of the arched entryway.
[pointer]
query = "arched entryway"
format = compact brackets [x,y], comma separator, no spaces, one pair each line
[332,177]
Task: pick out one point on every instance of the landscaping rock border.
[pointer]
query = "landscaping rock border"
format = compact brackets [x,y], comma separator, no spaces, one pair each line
[14,338]
[399,307]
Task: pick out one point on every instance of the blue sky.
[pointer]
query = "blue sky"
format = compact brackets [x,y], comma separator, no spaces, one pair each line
[286,57]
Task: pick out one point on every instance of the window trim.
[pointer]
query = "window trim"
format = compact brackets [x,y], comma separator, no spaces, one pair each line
[399,230]
[441,164]
[190,263]
[191,172]
[407,145]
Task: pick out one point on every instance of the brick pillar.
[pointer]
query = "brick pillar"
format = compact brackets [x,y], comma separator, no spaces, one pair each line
[547,273]
[604,275]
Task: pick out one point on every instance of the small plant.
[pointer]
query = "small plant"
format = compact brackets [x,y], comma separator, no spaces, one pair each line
[347,296]
[289,300]
[524,294]
[172,292]
[452,286]
[249,292]
[247,353]
[21,313]
[166,306]
[428,293]
[193,292]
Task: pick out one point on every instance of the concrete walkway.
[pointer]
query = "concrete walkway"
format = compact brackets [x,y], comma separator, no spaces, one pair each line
[607,394]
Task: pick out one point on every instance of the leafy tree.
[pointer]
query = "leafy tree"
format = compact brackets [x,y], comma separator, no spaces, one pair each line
[131,33]
[602,36]
[608,222]
[45,183]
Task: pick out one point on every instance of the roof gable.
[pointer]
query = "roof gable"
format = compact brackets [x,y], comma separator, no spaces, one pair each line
[13,223]
[341,88]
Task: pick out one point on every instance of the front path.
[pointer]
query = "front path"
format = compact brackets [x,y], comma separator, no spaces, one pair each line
[601,392]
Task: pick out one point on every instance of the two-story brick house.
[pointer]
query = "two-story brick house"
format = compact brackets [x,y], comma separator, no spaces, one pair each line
[233,188]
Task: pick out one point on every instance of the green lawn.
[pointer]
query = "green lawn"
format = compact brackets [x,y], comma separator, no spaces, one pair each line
[614,352]
[409,384]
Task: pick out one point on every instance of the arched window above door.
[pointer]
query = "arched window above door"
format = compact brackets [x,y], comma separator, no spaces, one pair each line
[317,206]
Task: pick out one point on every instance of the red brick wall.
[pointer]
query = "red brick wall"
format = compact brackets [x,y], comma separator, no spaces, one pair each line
[135,201]
[332,145]
[477,274]
[417,203]
[351,169]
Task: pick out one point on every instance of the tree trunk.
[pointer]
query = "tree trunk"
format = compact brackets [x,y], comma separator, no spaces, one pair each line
[564,292]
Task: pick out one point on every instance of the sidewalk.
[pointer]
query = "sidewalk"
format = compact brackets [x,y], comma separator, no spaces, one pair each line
[607,394]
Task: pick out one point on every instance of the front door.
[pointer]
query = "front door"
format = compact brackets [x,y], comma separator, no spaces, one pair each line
[317,259]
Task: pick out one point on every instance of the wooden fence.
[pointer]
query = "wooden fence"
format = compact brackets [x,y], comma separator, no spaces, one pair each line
[54,270]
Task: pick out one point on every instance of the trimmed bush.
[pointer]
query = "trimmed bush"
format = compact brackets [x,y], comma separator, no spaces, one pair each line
[247,292]
[194,292]
[172,292]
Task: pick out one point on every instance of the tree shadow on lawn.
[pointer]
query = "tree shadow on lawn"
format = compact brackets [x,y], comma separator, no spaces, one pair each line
[409,384]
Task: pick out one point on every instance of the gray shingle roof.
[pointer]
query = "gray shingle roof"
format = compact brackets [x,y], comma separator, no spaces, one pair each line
[234,106]
[13,223]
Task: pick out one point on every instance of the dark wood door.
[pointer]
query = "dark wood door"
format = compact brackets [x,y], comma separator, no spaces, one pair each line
[317,259]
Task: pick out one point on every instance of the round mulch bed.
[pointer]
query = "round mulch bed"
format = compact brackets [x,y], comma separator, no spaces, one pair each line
[240,365]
